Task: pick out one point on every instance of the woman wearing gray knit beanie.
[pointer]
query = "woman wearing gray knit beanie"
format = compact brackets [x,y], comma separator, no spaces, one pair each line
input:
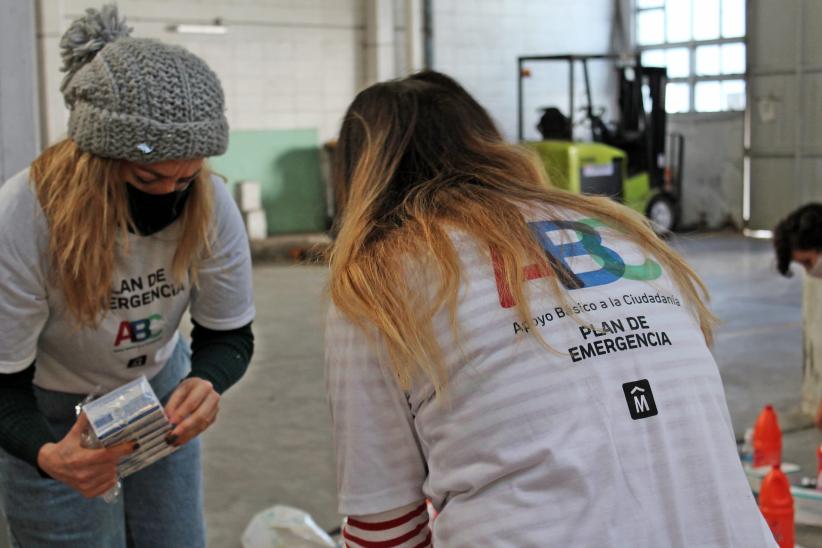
[105,241]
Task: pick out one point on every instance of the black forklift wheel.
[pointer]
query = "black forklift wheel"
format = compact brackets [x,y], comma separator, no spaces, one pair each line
[661,211]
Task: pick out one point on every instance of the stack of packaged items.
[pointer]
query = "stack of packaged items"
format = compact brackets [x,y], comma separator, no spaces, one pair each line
[130,413]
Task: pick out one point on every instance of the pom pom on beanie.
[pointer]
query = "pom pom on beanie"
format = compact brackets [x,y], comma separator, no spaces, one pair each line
[87,35]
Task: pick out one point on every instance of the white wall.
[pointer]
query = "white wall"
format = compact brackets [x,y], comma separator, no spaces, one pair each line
[288,64]
[284,64]
[478,42]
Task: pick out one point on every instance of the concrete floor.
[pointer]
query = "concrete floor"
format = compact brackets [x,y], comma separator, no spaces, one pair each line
[272,441]
[272,445]
[759,342]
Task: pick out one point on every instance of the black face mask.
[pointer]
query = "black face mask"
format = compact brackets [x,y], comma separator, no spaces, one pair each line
[153,212]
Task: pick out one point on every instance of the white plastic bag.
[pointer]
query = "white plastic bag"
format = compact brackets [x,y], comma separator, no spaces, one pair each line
[284,527]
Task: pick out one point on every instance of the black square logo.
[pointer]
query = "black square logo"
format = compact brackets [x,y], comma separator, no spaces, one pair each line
[640,399]
[137,362]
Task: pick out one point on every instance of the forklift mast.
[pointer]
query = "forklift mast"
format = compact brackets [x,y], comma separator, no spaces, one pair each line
[640,128]
[656,134]
[642,132]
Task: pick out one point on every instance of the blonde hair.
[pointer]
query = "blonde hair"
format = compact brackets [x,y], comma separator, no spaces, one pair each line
[85,203]
[419,158]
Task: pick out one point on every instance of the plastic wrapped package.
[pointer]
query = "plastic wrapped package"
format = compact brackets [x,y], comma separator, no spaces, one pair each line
[131,412]
[285,527]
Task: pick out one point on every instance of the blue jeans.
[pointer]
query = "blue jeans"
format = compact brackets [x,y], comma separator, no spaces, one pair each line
[160,506]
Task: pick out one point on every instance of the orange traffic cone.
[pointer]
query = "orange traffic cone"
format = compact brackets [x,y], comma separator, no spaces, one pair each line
[767,439]
[776,503]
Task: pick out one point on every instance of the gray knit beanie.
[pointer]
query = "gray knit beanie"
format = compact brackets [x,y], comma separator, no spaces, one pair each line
[138,99]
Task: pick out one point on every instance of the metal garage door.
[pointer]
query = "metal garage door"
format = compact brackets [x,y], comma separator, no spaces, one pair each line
[784,117]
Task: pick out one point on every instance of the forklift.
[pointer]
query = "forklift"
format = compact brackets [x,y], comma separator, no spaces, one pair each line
[631,158]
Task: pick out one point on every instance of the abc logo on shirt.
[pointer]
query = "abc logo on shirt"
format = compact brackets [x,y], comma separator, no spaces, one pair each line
[139,331]
[589,243]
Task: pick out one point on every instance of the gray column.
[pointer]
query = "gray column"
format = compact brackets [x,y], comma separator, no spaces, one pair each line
[379,41]
[19,119]
[19,123]
[413,36]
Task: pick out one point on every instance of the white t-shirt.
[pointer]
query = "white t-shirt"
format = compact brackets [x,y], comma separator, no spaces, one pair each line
[620,436]
[139,331]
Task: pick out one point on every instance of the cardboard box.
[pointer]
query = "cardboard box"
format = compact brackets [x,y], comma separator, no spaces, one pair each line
[249,196]
[256,225]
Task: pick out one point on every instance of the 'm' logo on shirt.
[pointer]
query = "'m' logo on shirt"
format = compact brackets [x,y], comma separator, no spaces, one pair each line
[640,399]
[612,266]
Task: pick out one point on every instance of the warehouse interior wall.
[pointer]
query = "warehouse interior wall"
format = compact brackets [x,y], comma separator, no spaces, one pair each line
[290,67]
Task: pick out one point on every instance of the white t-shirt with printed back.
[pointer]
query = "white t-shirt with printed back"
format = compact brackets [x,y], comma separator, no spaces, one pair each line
[139,331]
[619,436]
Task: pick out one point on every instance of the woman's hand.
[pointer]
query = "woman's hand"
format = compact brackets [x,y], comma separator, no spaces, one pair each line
[192,408]
[91,472]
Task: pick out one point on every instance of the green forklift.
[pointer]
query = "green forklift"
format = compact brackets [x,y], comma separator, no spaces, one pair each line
[630,158]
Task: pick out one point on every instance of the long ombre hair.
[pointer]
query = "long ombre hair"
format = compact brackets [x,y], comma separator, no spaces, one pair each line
[420,158]
[85,203]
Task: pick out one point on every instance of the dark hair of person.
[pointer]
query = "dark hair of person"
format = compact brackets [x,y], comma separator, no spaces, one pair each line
[801,230]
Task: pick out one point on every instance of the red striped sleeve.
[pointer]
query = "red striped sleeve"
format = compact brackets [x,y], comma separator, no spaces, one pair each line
[405,527]
[397,541]
[426,543]
[390,524]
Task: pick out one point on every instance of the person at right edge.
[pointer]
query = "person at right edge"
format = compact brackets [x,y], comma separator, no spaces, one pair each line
[535,363]
[798,238]
[106,240]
